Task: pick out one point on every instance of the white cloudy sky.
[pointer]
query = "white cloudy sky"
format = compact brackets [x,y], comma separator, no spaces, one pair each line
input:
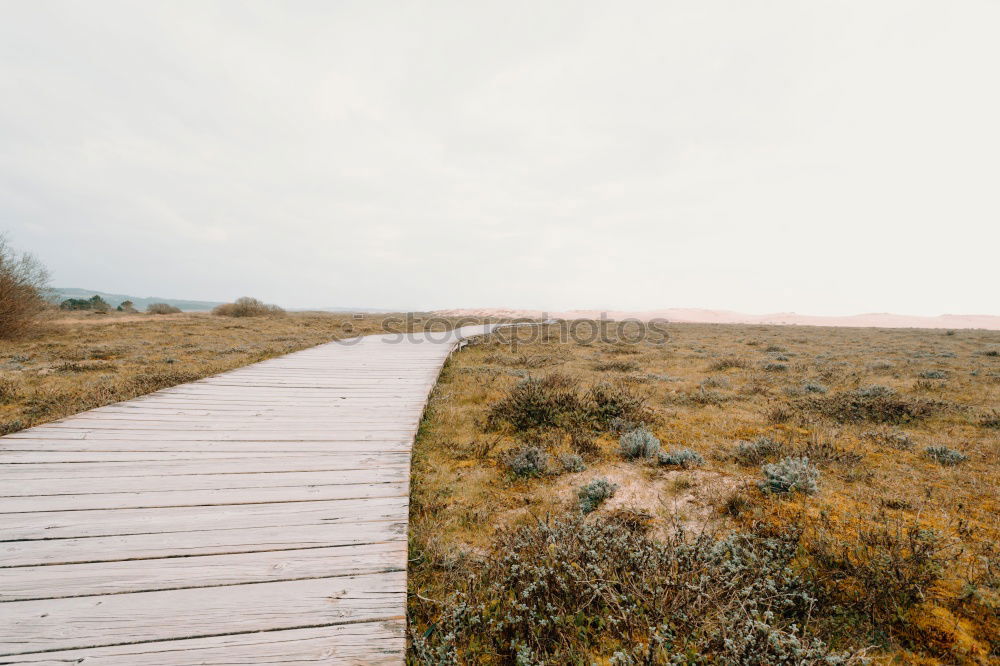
[824,157]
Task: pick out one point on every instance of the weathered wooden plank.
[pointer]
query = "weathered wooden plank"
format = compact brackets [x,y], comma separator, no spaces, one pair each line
[73,623]
[356,644]
[221,436]
[27,480]
[199,542]
[63,524]
[201,498]
[97,464]
[65,580]
[234,453]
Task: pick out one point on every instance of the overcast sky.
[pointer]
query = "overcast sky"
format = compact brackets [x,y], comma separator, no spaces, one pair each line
[821,157]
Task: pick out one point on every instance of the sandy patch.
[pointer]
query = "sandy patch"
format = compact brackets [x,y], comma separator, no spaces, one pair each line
[690,498]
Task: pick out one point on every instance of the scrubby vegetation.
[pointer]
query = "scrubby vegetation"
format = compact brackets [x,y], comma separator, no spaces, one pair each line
[944,455]
[247,307]
[681,458]
[595,493]
[161,309]
[790,475]
[639,443]
[796,518]
[94,303]
[77,361]
[23,282]
[557,591]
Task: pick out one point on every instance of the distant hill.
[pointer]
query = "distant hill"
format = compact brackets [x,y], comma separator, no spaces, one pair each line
[691,315]
[60,294]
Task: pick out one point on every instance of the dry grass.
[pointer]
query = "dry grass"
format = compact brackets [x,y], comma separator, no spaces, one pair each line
[899,550]
[81,361]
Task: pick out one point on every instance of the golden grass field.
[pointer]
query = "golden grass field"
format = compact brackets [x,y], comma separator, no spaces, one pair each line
[73,362]
[899,551]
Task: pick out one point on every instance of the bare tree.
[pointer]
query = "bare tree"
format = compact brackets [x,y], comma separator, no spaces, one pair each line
[23,286]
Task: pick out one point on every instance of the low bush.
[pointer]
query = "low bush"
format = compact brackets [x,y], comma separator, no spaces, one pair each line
[933,374]
[944,455]
[700,397]
[756,452]
[161,309]
[638,443]
[11,389]
[572,462]
[8,427]
[247,307]
[729,363]
[876,404]
[714,382]
[790,475]
[990,420]
[617,366]
[529,461]
[554,591]
[882,569]
[895,439]
[605,404]
[548,402]
[595,493]
[681,458]
[814,387]
[821,451]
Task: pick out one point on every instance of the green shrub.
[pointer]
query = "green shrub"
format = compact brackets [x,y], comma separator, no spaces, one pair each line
[595,493]
[572,462]
[95,303]
[529,461]
[549,402]
[814,387]
[681,458]
[944,455]
[639,443]
[790,475]
[757,451]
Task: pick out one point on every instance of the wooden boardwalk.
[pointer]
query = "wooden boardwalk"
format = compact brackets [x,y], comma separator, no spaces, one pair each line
[254,517]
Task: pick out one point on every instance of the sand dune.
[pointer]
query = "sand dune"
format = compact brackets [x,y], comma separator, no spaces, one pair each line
[693,315]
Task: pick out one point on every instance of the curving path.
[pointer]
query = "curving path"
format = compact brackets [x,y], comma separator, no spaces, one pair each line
[254,517]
